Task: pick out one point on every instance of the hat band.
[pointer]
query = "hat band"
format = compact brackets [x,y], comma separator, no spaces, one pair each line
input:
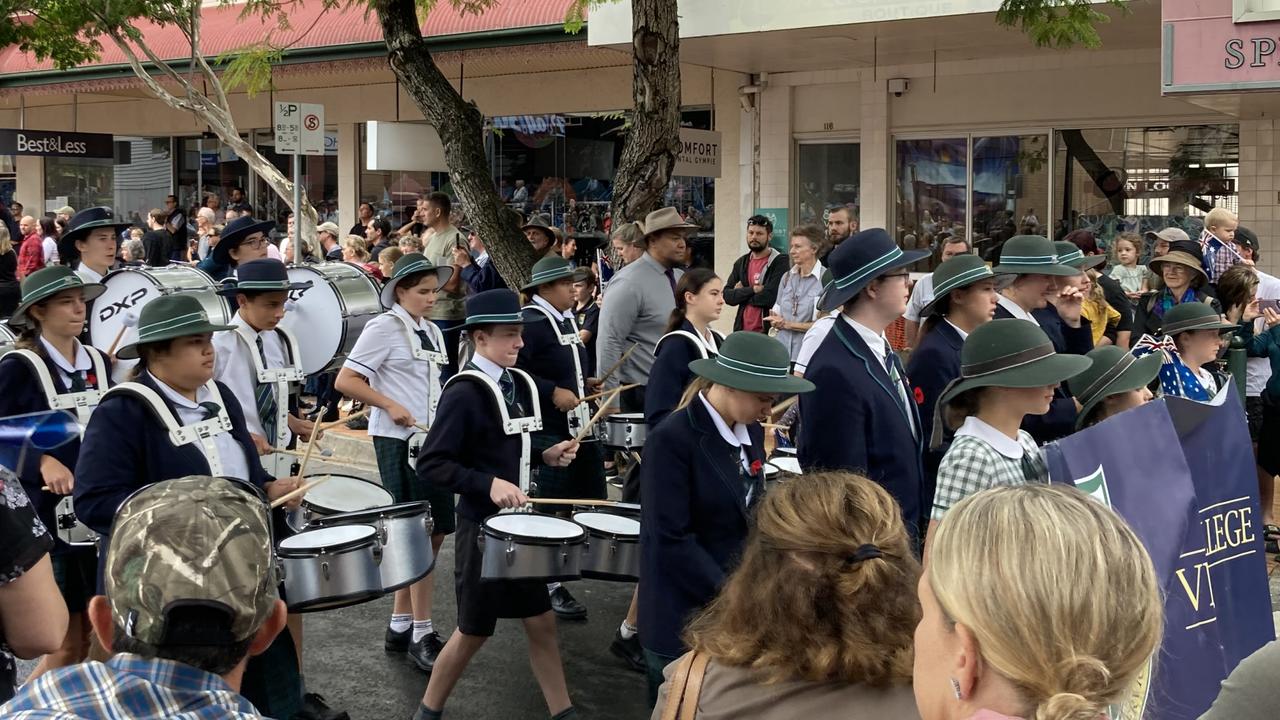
[1028,259]
[549,275]
[1097,386]
[870,269]
[962,279]
[172,324]
[1203,323]
[416,266]
[65,282]
[1071,257]
[1007,362]
[261,284]
[771,371]
[494,319]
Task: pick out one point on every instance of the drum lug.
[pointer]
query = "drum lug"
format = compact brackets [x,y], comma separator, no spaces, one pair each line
[382,532]
[613,549]
[511,553]
[324,569]
[377,553]
[281,570]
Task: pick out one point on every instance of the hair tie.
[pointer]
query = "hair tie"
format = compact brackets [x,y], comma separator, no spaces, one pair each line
[864,552]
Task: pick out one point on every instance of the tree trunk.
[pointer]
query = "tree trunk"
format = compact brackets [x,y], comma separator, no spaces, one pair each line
[653,140]
[461,126]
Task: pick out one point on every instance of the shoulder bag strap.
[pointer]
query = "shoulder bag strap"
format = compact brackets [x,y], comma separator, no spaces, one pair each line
[685,687]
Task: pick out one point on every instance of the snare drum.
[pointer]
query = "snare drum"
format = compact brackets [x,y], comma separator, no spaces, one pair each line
[625,431]
[330,567]
[525,546]
[338,494]
[7,339]
[786,465]
[404,532]
[328,317]
[129,289]
[70,530]
[612,551]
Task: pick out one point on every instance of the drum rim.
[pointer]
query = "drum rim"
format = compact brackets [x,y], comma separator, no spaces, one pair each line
[346,600]
[598,532]
[370,539]
[397,511]
[331,511]
[497,534]
[344,311]
[625,419]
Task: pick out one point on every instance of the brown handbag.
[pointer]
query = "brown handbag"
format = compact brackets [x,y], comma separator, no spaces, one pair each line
[685,686]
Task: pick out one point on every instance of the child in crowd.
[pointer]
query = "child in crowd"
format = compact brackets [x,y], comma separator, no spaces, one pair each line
[1101,316]
[1217,242]
[1196,330]
[1132,276]
[387,260]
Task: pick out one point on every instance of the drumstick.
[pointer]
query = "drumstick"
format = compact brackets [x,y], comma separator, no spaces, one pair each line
[561,501]
[126,322]
[329,457]
[311,446]
[604,407]
[775,426]
[618,364]
[602,393]
[300,491]
[784,406]
[423,428]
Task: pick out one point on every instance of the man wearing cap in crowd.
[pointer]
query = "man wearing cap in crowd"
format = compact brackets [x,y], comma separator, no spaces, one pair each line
[541,236]
[555,357]
[243,239]
[89,244]
[65,213]
[1160,241]
[753,284]
[862,416]
[473,452]
[328,233]
[190,596]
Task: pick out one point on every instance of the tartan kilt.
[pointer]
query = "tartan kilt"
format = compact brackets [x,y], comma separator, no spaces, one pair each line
[402,482]
[583,478]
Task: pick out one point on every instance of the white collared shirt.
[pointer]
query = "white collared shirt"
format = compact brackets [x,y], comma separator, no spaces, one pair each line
[233,366]
[737,436]
[1015,309]
[235,464]
[976,427]
[876,342]
[88,274]
[542,302]
[82,364]
[488,367]
[813,337]
[955,327]
[483,259]
[384,356]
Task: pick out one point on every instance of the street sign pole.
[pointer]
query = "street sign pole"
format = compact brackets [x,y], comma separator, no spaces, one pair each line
[299,131]
[297,205]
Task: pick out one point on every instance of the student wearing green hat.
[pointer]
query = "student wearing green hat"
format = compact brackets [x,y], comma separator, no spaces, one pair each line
[1197,334]
[50,369]
[1115,382]
[394,369]
[701,476]
[1008,370]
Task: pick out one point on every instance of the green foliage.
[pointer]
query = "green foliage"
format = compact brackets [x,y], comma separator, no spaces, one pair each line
[575,18]
[249,68]
[1057,23]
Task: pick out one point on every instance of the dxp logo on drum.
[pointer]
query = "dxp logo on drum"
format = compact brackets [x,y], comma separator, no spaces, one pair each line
[118,307]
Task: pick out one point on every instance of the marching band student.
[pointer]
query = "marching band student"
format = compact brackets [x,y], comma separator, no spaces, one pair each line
[1008,370]
[89,244]
[175,420]
[587,313]
[1116,381]
[554,356]
[689,337]
[243,239]
[394,368]
[701,476]
[487,461]
[51,369]
[862,417]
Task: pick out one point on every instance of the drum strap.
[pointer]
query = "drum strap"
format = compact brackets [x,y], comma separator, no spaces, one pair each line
[699,344]
[580,415]
[437,357]
[201,433]
[81,403]
[280,378]
[512,426]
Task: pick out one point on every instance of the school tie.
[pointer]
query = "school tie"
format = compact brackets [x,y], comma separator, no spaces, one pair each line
[508,388]
[265,400]
[211,410]
[891,363]
[77,382]
[424,339]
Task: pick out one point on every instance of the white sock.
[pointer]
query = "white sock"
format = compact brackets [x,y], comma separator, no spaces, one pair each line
[551,587]
[421,629]
[628,630]
[400,623]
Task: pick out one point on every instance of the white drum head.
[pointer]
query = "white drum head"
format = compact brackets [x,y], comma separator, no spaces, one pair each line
[130,289]
[316,319]
[539,526]
[787,465]
[327,537]
[792,452]
[340,494]
[608,523]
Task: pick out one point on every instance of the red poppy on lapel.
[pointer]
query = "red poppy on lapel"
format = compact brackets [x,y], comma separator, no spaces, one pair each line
[919,395]
[91,380]
[756,466]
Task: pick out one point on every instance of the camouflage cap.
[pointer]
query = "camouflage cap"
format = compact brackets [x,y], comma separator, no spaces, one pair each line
[198,540]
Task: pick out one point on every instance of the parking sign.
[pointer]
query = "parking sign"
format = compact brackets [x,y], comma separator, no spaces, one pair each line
[299,128]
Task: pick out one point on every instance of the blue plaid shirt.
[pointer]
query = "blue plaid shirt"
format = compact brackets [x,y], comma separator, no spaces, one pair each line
[128,686]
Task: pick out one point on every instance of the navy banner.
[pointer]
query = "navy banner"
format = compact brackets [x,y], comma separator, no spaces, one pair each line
[1182,474]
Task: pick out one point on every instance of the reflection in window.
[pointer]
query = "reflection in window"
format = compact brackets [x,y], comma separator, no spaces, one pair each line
[207,167]
[84,182]
[932,181]
[1010,188]
[828,176]
[143,176]
[1141,179]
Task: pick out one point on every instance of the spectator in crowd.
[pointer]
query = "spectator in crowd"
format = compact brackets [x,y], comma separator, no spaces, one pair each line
[569,249]
[33,617]
[841,223]
[752,286]
[409,244]
[1126,268]
[1093,258]
[214,203]
[843,578]
[1248,693]
[587,313]
[449,311]
[11,221]
[628,244]
[363,215]
[157,242]
[417,215]
[176,223]
[1160,245]
[15,208]
[237,201]
[922,291]
[1183,280]
[540,235]
[1102,317]
[387,261]
[1002,636]
[133,253]
[356,252]
[378,235]
[1217,242]
[189,597]
[796,307]
[49,242]
[327,234]
[31,251]
[10,292]
[204,228]
[479,272]
[521,194]
[1115,382]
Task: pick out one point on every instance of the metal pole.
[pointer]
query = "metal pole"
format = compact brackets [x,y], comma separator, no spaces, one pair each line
[297,207]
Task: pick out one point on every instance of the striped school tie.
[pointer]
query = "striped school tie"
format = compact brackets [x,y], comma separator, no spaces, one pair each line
[211,410]
[265,399]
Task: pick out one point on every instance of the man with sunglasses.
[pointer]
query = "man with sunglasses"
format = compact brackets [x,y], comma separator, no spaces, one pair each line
[753,284]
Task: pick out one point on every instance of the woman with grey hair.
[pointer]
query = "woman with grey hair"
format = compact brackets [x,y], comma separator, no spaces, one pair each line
[133,253]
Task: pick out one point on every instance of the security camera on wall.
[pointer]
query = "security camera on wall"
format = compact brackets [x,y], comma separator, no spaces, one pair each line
[899,86]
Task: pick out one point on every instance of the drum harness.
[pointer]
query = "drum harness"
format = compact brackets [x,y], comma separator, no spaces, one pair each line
[81,403]
[512,426]
[436,357]
[281,379]
[201,433]
[698,343]
[580,415]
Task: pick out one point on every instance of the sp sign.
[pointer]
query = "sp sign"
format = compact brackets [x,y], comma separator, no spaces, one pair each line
[299,128]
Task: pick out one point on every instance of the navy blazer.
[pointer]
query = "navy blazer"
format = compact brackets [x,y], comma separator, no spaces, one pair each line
[854,421]
[126,447]
[1060,421]
[550,364]
[694,520]
[671,375]
[934,363]
[20,394]
[484,278]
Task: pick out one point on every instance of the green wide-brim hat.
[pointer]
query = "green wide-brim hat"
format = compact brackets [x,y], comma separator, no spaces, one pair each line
[551,269]
[168,317]
[1031,255]
[1010,352]
[1192,316]
[959,272]
[1071,255]
[751,362]
[1113,371]
[406,266]
[44,284]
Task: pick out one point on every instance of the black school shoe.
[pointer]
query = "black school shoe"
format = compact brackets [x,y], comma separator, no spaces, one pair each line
[398,641]
[425,651]
[566,606]
[315,708]
[629,650]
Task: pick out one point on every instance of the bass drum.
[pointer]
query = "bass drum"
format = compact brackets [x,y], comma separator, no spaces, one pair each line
[327,317]
[129,289]
[7,338]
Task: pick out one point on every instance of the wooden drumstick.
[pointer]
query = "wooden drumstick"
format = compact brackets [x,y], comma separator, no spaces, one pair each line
[423,428]
[602,393]
[311,446]
[784,406]
[604,407]
[331,459]
[584,502]
[126,322]
[618,364]
[300,491]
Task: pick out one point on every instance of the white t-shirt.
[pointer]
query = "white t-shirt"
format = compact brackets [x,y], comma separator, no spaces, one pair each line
[921,295]
[383,355]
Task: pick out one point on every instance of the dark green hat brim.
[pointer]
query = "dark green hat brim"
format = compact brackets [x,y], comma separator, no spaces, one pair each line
[388,293]
[477,321]
[1049,370]
[130,351]
[231,288]
[748,382]
[1036,269]
[91,292]
[1002,282]
[73,235]
[574,273]
[1138,375]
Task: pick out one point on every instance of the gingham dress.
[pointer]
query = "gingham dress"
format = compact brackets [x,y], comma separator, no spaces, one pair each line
[972,464]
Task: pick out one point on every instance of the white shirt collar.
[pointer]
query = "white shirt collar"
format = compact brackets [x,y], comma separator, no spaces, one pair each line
[420,323]
[245,324]
[82,361]
[483,259]
[815,270]
[1015,309]
[88,274]
[955,327]
[737,437]
[488,367]
[998,441]
[876,342]
[202,395]
[541,301]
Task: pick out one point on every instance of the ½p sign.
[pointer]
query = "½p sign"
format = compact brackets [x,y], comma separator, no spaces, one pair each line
[299,128]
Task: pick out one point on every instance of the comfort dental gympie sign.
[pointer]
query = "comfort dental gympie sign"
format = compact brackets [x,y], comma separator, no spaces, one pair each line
[1205,49]
[55,143]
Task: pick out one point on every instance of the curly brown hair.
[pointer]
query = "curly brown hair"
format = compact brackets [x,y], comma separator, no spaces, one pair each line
[801,607]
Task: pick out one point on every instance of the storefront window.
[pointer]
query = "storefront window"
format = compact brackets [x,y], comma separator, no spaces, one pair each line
[828,175]
[1010,189]
[394,193]
[1140,179]
[319,178]
[932,188]
[78,182]
[143,176]
[206,166]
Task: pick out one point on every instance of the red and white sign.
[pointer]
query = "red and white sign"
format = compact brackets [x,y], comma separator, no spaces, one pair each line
[299,128]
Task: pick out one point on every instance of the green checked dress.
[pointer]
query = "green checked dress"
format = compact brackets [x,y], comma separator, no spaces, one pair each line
[982,457]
